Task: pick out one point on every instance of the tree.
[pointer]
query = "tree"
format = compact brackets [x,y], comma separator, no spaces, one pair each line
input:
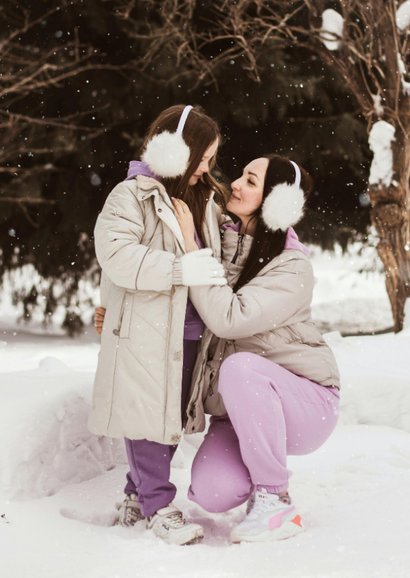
[365,42]
[52,109]
[370,49]
[60,162]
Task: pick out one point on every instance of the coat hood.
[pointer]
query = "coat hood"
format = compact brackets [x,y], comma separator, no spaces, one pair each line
[292,240]
[136,168]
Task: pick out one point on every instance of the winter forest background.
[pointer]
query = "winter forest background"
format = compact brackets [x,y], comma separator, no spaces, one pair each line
[325,82]
[81,82]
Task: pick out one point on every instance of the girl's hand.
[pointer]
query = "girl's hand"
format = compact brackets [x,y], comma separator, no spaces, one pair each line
[186,222]
[99,315]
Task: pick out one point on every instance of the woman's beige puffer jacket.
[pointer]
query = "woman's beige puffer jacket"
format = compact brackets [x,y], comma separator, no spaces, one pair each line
[269,316]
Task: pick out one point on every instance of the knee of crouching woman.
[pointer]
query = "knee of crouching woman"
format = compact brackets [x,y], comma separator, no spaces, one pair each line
[235,370]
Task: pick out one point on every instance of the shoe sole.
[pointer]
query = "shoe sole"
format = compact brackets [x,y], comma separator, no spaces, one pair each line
[187,541]
[289,529]
[130,525]
[196,540]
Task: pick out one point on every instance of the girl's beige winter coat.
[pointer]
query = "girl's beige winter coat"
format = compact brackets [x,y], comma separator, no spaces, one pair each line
[269,316]
[137,389]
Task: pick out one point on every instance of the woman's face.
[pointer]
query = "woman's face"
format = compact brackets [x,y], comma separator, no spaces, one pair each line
[203,166]
[247,191]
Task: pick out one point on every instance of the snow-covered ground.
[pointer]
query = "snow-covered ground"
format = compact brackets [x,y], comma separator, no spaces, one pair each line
[59,483]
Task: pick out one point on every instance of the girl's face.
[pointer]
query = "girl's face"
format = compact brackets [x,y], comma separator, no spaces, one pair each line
[247,191]
[204,165]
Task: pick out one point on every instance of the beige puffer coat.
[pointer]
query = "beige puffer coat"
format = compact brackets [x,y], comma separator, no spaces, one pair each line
[269,316]
[137,389]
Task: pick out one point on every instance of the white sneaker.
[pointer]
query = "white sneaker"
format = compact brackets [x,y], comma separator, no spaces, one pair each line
[129,511]
[268,518]
[170,525]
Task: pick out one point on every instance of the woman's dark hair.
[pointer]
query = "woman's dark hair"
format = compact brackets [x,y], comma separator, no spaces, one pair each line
[268,244]
[200,131]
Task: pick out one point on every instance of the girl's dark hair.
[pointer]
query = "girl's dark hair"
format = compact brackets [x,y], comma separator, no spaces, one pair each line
[200,131]
[269,244]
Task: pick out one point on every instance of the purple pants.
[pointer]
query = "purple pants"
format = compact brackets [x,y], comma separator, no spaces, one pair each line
[150,462]
[272,413]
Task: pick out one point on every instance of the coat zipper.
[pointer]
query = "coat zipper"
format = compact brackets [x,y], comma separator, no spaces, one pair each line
[117,334]
[167,364]
[238,248]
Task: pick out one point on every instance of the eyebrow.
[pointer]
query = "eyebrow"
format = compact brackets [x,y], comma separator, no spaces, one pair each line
[253,174]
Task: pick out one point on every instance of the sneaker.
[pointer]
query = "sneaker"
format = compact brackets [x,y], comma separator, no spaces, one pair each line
[170,525]
[129,511]
[268,518]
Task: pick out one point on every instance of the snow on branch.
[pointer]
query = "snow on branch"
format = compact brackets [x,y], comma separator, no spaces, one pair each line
[403,16]
[381,136]
[332,29]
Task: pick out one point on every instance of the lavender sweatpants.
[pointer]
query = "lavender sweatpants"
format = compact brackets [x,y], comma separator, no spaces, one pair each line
[272,413]
[150,462]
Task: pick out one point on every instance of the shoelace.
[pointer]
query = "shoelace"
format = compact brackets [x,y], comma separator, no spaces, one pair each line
[263,503]
[131,510]
[176,518]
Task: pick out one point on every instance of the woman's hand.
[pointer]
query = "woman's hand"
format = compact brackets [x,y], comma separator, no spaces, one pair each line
[99,315]
[186,223]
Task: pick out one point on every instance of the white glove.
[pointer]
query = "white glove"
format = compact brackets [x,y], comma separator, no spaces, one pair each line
[200,268]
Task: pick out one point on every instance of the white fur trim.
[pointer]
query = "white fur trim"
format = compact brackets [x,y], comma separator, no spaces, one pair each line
[283,207]
[167,154]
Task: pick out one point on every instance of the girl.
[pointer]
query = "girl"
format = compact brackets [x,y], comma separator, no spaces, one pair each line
[263,371]
[151,330]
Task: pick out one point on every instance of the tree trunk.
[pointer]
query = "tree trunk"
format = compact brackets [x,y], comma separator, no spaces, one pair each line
[391,216]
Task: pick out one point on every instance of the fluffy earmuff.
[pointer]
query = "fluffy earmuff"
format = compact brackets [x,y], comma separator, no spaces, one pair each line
[167,154]
[284,205]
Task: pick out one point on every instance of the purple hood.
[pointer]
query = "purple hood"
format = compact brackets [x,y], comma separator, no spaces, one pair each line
[292,240]
[140,168]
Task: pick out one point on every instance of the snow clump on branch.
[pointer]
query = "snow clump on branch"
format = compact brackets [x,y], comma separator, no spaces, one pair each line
[403,16]
[332,29]
[380,138]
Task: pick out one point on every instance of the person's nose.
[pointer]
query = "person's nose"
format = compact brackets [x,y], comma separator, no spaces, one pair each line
[235,185]
[204,167]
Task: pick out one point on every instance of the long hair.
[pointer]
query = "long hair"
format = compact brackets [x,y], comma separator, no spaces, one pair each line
[267,244]
[200,131]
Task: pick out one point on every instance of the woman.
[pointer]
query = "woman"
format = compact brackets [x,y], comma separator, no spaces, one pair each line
[151,330]
[263,368]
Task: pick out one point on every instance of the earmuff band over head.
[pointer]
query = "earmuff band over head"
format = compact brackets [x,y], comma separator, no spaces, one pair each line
[298,174]
[183,118]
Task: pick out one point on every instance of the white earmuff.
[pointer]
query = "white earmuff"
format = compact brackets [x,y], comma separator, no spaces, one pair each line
[284,205]
[167,154]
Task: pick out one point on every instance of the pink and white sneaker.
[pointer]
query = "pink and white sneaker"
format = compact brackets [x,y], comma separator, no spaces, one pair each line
[268,518]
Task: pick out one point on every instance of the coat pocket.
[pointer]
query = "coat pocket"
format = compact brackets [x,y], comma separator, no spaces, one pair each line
[124,320]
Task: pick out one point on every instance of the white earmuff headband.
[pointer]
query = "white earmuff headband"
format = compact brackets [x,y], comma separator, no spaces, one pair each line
[167,153]
[284,205]
[298,174]
[183,118]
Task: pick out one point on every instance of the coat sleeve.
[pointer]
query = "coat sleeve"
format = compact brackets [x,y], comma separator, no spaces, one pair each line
[122,257]
[267,302]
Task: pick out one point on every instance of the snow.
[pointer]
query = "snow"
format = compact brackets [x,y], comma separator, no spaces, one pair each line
[380,138]
[378,107]
[332,29]
[59,483]
[403,16]
[403,73]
